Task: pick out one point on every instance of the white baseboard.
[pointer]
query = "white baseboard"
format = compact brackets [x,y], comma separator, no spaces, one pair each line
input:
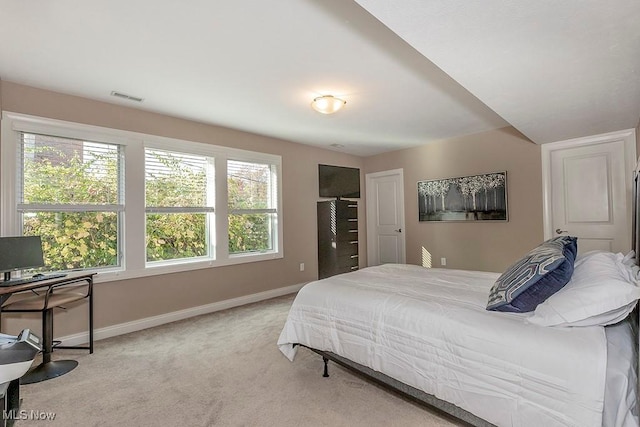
[150,322]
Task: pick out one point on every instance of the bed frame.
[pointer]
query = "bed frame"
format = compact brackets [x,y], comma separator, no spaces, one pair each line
[449,408]
[404,389]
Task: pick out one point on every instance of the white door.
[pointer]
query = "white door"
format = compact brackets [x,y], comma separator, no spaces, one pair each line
[587,186]
[385,217]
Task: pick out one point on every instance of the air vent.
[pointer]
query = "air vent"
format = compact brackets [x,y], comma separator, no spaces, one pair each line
[125,96]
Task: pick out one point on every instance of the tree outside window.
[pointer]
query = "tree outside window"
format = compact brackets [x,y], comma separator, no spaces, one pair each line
[179,203]
[71,197]
[70,190]
[252,214]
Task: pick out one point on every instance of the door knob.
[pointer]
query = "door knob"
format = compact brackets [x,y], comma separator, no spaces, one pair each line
[558,231]
[399,230]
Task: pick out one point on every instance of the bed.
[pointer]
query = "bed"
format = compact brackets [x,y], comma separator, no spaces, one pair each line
[427,332]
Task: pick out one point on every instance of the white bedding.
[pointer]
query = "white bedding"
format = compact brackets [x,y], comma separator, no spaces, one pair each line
[428,328]
[620,397]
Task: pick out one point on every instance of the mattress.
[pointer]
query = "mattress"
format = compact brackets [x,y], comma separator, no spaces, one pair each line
[429,328]
[620,396]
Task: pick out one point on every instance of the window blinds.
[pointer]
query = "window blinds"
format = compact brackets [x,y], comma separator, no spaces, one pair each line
[178,182]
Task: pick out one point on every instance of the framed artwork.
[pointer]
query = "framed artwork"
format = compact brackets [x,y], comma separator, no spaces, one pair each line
[468,198]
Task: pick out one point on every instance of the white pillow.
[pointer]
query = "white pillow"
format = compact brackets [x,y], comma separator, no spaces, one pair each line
[602,291]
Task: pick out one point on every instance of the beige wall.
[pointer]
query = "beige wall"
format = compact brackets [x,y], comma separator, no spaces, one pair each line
[472,245]
[480,246]
[128,300]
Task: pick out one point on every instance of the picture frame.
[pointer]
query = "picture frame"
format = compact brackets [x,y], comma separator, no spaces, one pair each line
[468,198]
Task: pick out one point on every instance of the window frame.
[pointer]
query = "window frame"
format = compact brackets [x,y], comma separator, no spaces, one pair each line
[208,210]
[23,208]
[275,211]
[133,263]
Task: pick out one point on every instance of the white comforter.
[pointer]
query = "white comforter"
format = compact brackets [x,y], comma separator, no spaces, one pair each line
[429,328]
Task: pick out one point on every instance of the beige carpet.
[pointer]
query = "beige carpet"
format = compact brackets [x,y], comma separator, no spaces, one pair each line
[221,369]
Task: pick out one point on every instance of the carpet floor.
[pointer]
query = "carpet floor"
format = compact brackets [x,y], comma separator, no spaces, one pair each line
[219,369]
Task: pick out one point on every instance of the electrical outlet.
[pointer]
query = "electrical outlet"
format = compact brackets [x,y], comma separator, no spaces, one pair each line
[302,266]
[443,261]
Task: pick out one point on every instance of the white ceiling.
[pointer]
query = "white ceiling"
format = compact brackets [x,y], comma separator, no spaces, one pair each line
[553,69]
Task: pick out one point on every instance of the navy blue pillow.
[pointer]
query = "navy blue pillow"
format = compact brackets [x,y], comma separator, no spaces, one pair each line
[535,277]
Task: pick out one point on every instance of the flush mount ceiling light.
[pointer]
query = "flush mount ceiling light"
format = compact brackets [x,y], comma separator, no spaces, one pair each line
[327,104]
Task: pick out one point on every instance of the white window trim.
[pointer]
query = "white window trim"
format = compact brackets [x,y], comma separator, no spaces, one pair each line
[277,238]
[171,209]
[50,207]
[133,228]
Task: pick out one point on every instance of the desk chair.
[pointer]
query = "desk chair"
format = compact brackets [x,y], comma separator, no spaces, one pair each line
[45,302]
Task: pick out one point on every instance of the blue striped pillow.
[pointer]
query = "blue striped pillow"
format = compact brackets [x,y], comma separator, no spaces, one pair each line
[535,277]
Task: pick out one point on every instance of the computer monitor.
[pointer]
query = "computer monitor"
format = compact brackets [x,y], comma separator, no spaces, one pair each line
[20,253]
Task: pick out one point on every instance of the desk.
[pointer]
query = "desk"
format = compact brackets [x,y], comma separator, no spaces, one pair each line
[48,368]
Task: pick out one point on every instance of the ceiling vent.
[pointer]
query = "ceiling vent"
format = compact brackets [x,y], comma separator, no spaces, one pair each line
[125,96]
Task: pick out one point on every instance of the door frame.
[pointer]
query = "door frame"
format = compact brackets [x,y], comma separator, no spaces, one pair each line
[370,208]
[628,136]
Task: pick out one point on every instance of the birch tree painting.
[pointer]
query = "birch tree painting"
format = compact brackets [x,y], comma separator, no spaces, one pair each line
[469,198]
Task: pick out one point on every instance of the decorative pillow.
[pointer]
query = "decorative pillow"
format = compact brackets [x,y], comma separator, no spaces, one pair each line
[602,291]
[535,277]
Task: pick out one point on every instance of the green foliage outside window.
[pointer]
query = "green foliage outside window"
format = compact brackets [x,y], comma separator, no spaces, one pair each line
[175,236]
[249,233]
[64,172]
[75,240]
[60,176]
[248,188]
[175,181]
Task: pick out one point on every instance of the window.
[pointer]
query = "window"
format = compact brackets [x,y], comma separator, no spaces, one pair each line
[132,204]
[179,204]
[69,193]
[252,206]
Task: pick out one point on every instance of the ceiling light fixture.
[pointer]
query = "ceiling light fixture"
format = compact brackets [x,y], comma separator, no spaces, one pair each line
[327,104]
